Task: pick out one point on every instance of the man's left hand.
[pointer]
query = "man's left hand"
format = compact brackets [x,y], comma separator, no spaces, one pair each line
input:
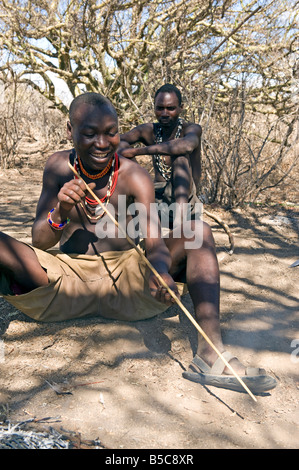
[160,292]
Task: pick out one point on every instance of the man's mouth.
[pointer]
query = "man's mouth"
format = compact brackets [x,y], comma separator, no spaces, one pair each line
[101,156]
[164,120]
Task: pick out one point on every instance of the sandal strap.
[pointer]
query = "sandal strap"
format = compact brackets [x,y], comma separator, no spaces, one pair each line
[219,366]
[202,365]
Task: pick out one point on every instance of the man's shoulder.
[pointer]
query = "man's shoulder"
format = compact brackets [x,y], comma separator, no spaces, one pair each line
[57,163]
[59,157]
[146,126]
[131,170]
[189,126]
[140,128]
[134,179]
[142,133]
[129,166]
[146,130]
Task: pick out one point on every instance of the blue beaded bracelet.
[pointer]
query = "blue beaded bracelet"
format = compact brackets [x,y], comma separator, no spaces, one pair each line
[54,225]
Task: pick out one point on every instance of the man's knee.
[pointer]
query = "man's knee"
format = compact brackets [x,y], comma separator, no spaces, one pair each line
[207,232]
[194,234]
[197,234]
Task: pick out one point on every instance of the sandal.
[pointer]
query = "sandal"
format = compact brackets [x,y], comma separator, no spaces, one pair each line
[256,379]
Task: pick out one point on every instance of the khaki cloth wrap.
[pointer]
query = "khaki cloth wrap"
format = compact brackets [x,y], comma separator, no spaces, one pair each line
[113,285]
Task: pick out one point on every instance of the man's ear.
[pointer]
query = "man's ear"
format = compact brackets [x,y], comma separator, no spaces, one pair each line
[69,130]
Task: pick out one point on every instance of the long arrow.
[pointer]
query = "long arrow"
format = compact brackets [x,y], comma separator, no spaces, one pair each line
[163,283]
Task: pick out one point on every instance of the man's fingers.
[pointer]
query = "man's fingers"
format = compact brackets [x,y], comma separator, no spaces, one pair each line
[76,196]
[91,185]
[74,191]
[162,294]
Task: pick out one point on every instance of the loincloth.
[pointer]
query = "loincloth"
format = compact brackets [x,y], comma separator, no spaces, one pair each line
[164,195]
[112,285]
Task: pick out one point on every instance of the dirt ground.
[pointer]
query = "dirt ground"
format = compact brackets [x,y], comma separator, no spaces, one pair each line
[121,384]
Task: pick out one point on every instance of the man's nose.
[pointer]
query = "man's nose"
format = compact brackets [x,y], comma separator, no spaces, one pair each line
[101,141]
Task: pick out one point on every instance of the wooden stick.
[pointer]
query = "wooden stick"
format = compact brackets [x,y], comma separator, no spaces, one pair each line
[163,283]
[226,229]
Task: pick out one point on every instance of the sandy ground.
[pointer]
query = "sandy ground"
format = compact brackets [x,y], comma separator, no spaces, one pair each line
[121,384]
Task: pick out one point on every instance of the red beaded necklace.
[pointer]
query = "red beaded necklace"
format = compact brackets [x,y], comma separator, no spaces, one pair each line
[98,175]
[91,204]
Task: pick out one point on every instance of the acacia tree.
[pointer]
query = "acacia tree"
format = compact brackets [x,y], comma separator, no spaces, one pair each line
[127,48]
[248,154]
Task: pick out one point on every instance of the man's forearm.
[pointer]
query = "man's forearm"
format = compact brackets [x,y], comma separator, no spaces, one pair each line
[44,235]
[173,148]
[160,259]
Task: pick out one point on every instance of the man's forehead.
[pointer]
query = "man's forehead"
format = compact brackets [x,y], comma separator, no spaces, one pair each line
[89,112]
[167,97]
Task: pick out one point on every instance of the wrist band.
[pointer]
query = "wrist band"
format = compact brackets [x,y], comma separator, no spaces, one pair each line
[54,225]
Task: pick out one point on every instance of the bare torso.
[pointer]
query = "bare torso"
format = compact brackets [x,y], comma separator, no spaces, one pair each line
[194,157]
[83,235]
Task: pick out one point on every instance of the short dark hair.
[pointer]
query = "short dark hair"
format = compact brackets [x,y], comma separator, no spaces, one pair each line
[169,88]
[94,99]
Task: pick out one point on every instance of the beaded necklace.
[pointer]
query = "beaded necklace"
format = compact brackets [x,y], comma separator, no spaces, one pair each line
[159,160]
[94,177]
[90,205]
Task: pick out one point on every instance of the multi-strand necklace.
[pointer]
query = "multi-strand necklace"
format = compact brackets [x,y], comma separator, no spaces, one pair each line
[159,160]
[90,206]
[98,175]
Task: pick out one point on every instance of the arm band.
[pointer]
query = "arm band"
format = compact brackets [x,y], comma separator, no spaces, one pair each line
[54,225]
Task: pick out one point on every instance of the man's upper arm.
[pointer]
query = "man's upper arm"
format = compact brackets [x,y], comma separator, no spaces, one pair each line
[142,186]
[50,187]
[140,134]
[193,135]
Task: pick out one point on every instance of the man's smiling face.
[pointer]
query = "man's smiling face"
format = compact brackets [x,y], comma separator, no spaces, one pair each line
[94,131]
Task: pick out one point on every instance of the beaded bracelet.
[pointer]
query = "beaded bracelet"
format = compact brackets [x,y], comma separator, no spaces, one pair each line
[54,225]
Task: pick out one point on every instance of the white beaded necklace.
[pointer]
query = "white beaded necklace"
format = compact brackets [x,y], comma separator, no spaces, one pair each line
[159,160]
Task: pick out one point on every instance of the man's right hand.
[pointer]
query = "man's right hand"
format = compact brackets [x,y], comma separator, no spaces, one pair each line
[72,193]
